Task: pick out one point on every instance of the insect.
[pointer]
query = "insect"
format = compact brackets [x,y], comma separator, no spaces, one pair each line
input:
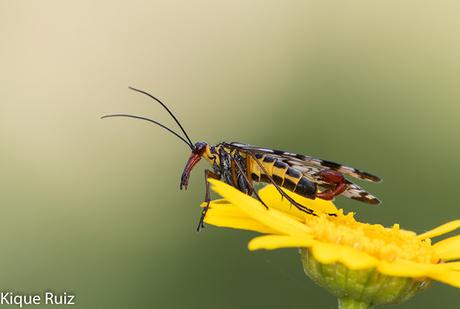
[241,165]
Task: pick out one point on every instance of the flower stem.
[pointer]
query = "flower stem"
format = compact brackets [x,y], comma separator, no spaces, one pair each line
[349,303]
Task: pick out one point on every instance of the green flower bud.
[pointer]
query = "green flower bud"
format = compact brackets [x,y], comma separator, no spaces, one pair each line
[363,288]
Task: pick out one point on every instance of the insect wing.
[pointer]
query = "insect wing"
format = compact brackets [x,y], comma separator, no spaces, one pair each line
[357,193]
[312,167]
[304,160]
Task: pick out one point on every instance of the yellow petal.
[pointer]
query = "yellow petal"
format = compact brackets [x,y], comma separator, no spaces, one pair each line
[405,269]
[271,218]
[440,230]
[452,265]
[448,249]
[451,277]
[226,210]
[327,253]
[273,199]
[222,213]
[215,203]
[439,272]
[238,223]
[271,242]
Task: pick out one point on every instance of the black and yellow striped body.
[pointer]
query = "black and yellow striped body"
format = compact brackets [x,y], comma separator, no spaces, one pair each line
[282,174]
[223,160]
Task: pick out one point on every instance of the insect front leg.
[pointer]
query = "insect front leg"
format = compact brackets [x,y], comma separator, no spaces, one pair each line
[207,198]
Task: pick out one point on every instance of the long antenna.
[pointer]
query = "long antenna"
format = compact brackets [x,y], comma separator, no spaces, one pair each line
[166,108]
[151,120]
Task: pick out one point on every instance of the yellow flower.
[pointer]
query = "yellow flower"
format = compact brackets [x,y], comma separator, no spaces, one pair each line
[362,264]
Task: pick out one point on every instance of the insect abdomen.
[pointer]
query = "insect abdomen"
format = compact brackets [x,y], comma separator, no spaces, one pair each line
[283,175]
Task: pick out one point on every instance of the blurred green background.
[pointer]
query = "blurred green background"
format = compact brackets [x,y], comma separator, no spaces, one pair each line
[92,207]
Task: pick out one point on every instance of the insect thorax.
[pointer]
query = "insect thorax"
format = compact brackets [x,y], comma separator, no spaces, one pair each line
[230,165]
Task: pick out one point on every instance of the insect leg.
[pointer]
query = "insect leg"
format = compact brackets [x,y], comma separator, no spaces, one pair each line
[249,183]
[207,198]
[283,194]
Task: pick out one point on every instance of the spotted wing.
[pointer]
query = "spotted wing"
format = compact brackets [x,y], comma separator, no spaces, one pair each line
[312,167]
[357,193]
[310,161]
